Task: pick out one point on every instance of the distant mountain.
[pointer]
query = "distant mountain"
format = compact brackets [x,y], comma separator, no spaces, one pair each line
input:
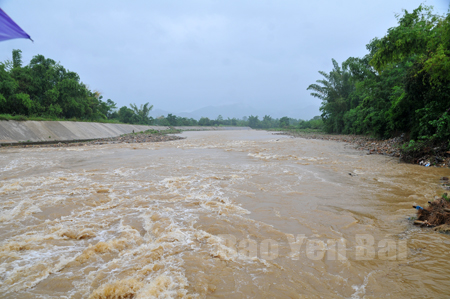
[239,111]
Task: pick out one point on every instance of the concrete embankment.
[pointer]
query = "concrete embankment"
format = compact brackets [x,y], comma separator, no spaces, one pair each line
[38,131]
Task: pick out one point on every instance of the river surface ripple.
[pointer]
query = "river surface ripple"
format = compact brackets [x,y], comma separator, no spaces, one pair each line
[227,214]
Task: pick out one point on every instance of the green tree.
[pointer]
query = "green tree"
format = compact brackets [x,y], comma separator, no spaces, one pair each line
[267,121]
[204,121]
[142,113]
[17,58]
[171,119]
[254,122]
[126,115]
[401,86]
[284,122]
[334,91]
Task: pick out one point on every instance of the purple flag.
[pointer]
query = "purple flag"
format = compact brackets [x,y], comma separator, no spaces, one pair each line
[9,29]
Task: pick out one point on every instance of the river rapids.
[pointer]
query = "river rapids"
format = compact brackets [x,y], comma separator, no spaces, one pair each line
[223,214]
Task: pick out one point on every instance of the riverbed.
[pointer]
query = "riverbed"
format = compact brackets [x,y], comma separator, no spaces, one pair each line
[225,214]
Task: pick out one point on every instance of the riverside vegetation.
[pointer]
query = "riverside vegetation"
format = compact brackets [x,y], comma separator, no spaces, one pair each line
[401,87]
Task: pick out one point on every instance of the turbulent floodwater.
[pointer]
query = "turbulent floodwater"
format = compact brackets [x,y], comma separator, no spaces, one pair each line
[234,214]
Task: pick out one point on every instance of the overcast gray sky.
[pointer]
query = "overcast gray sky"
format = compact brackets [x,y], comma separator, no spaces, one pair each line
[186,54]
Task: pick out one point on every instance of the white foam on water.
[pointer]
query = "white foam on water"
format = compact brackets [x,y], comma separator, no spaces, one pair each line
[360,290]
[149,224]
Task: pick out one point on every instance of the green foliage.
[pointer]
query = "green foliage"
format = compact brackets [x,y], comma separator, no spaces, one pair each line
[151,131]
[17,58]
[333,90]
[171,119]
[414,146]
[284,122]
[126,115]
[315,123]
[409,39]
[141,114]
[252,121]
[421,35]
[44,88]
[204,121]
[401,86]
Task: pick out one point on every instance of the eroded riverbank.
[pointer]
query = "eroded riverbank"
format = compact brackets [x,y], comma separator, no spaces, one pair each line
[217,215]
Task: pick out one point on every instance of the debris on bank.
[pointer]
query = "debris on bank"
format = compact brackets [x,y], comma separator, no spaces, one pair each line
[437,214]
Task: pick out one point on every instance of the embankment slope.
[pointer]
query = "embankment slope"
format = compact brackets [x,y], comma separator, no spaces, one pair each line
[22,131]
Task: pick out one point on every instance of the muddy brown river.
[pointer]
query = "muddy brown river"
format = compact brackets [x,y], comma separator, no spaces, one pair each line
[228,214]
